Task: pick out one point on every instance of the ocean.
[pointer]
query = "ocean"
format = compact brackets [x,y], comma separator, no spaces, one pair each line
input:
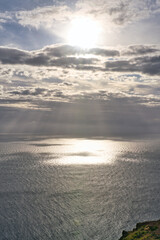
[59,188]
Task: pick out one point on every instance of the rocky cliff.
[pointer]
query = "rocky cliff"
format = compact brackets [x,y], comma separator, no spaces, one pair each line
[143,231]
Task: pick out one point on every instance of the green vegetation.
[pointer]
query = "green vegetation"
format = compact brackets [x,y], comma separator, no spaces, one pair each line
[143,231]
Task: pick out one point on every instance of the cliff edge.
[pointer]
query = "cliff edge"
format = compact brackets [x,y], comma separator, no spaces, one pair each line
[143,231]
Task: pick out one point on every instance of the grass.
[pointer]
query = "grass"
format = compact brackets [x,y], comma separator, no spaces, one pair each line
[144,231]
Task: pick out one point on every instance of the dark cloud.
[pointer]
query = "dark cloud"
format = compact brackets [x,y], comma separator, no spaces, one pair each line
[104,52]
[67,50]
[72,61]
[63,50]
[35,92]
[68,84]
[37,58]
[150,65]
[89,68]
[147,65]
[52,55]
[60,94]
[13,101]
[20,83]
[143,86]
[54,93]
[13,56]
[52,80]
[120,66]
[140,50]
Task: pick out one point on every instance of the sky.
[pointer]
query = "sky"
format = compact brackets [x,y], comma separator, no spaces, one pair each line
[80,68]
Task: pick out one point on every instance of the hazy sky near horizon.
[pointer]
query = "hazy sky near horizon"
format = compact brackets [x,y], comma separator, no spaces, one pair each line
[50,86]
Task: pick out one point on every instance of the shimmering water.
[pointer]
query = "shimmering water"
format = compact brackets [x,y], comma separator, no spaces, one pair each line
[77,188]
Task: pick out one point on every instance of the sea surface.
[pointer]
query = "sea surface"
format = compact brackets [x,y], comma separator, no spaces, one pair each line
[76,188]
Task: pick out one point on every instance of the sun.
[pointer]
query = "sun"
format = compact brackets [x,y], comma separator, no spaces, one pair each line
[84,32]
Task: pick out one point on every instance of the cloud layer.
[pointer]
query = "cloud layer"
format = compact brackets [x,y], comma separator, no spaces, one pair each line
[147,60]
[50,87]
[54,20]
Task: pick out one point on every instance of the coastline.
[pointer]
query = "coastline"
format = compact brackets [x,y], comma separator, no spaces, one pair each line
[145,230]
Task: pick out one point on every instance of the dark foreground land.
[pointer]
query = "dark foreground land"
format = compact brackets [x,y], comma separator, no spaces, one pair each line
[143,231]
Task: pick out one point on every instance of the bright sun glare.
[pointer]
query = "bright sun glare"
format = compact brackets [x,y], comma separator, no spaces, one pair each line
[84,32]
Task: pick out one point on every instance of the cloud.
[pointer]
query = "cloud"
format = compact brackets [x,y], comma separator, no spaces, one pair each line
[146,65]
[140,50]
[62,50]
[62,89]
[85,105]
[43,16]
[148,61]
[116,117]
[119,12]
[35,28]
[71,61]
[40,58]
[104,52]
[56,17]
[13,56]
[52,80]
[27,92]
[67,50]
[5,17]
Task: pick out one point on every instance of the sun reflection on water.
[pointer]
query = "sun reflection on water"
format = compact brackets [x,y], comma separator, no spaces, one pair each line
[83,151]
